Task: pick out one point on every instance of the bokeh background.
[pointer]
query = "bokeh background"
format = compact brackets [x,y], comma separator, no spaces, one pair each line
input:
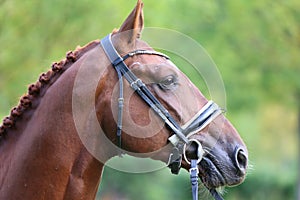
[255,44]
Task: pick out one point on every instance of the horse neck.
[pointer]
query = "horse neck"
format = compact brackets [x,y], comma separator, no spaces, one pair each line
[43,157]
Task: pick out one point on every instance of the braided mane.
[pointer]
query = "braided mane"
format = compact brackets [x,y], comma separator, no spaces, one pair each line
[45,79]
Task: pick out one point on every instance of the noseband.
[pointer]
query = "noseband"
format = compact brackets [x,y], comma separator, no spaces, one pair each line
[181,134]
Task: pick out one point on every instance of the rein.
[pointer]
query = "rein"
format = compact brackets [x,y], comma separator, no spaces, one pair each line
[181,134]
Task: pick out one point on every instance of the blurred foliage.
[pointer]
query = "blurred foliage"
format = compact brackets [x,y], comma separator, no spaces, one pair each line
[255,45]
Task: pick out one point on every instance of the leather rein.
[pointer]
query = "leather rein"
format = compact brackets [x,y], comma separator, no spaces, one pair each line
[181,134]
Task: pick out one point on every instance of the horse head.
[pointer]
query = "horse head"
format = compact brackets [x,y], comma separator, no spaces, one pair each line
[225,155]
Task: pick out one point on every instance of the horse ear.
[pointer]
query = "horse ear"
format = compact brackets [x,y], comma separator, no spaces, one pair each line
[134,23]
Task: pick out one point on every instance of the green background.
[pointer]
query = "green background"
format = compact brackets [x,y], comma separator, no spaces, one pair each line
[255,45]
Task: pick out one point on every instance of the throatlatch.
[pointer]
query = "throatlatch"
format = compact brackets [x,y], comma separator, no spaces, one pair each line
[180,138]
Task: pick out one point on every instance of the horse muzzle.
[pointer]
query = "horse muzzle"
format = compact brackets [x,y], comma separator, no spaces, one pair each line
[219,168]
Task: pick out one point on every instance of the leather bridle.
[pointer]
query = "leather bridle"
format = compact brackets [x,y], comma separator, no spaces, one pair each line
[181,134]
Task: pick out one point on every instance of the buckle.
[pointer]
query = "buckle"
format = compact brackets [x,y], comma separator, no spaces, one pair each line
[174,162]
[175,166]
[199,152]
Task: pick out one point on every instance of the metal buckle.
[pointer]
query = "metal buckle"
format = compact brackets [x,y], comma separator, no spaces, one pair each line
[199,152]
[174,162]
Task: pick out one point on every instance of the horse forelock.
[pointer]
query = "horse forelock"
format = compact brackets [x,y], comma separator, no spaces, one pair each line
[43,83]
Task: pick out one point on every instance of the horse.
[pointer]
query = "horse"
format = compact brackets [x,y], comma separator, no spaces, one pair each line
[54,145]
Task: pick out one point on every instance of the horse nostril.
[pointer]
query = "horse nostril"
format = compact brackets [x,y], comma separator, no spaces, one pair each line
[241,160]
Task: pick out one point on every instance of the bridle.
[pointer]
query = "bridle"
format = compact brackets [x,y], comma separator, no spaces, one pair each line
[181,137]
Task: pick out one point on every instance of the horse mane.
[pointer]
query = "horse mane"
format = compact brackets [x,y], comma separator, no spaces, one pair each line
[45,80]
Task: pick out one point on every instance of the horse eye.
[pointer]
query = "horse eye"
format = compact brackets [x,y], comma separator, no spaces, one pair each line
[168,82]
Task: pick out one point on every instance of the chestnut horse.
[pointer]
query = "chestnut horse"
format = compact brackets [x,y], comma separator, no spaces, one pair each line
[43,155]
